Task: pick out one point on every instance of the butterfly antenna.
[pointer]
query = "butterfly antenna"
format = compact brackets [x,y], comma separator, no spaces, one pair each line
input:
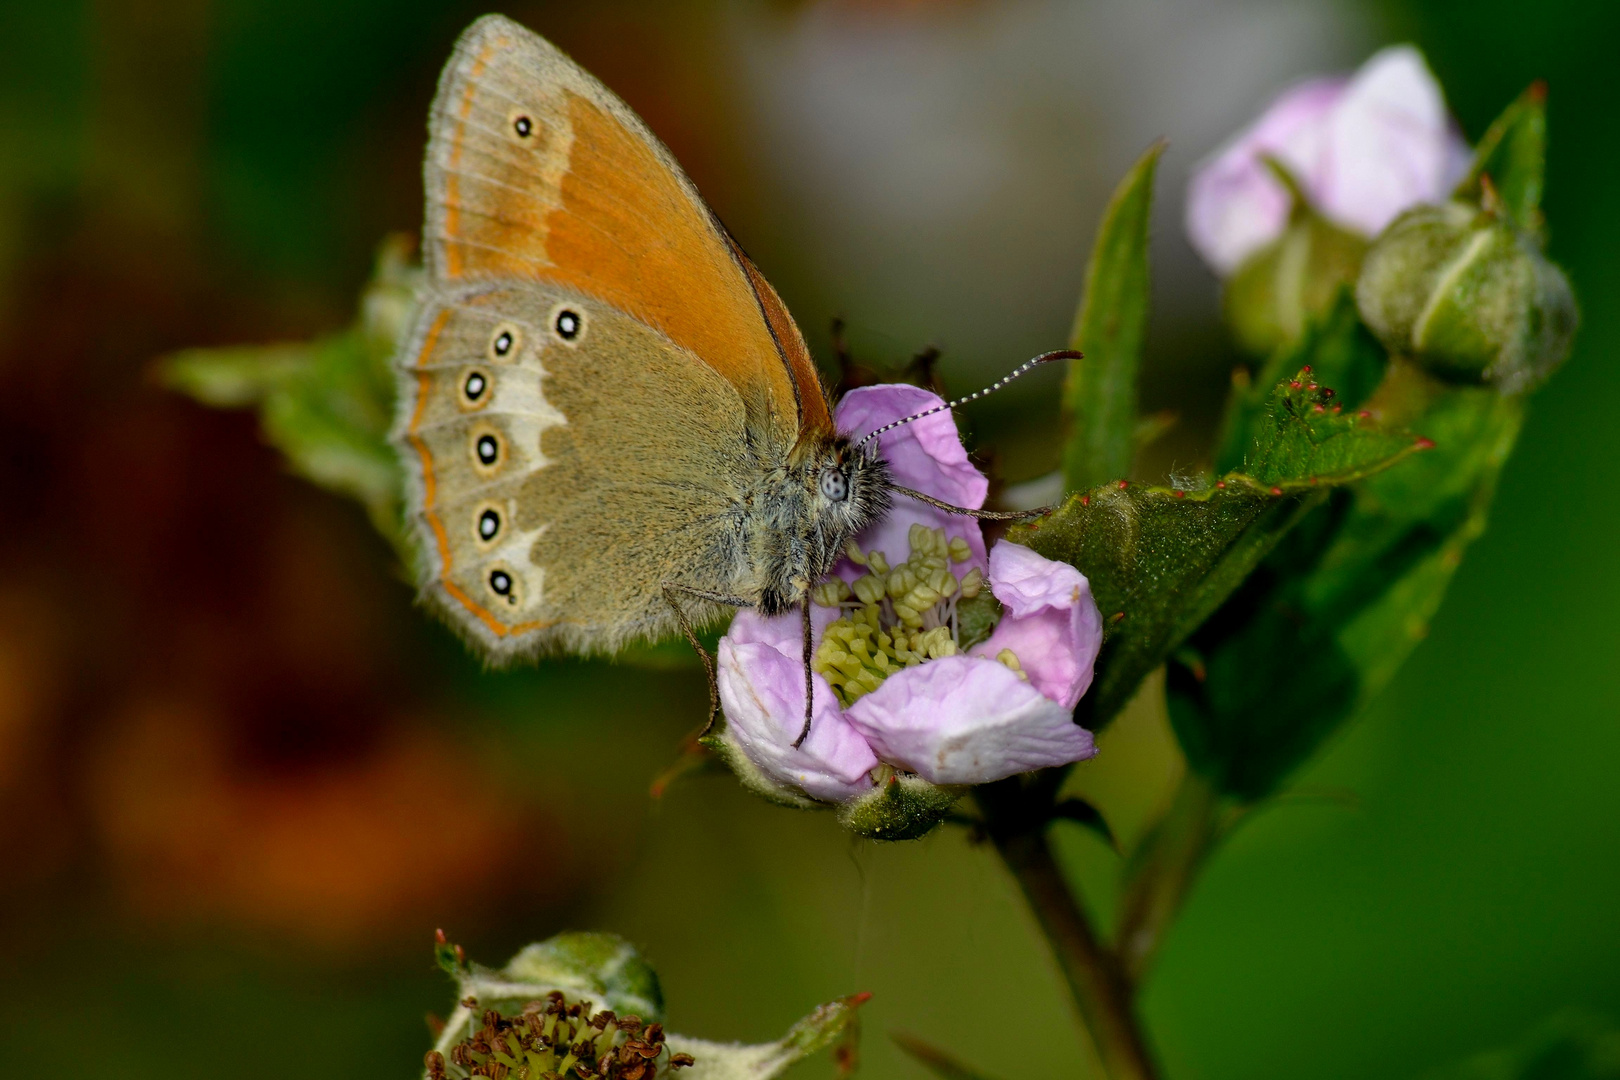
[1022,369]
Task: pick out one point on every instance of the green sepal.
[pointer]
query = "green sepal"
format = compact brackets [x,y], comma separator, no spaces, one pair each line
[1513,155]
[976,619]
[1161,560]
[762,1061]
[1336,608]
[1099,395]
[905,807]
[720,740]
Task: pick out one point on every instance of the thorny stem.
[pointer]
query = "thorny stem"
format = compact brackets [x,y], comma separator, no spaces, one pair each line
[1164,871]
[1016,814]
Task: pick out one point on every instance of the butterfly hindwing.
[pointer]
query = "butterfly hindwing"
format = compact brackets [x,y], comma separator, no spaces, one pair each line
[545,519]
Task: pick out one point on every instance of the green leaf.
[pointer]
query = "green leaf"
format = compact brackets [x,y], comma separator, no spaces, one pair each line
[327,404]
[935,1060]
[1099,396]
[1324,624]
[1161,560]
[1513,154]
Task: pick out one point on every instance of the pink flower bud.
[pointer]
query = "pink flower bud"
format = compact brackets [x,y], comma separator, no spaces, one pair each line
[1363,149]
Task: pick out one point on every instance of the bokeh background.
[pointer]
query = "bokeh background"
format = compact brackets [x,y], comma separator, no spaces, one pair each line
[242,779]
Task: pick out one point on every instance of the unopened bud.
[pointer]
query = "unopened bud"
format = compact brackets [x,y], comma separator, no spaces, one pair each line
[1273,294]
[1468,297]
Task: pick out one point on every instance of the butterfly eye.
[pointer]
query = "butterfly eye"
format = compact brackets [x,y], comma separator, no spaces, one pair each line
[489,524]
[488,450]
[523,126]
[834,484]
[569,324]
[504,585]
[475,389]
[505,341]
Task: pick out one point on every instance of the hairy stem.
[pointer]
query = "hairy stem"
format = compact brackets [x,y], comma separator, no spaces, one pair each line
[1016,818]
[1163,872]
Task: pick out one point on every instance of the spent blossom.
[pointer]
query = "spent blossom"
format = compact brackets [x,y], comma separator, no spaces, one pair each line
[895,689]
[1362,148]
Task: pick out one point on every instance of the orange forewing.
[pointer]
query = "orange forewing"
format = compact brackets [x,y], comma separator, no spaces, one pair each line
[592,204]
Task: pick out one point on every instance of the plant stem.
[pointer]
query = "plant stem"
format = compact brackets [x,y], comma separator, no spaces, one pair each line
[1016,817]
[1163,874]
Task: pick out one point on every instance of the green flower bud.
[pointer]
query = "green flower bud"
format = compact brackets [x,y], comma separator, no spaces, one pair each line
[1468,297]
[1272,294]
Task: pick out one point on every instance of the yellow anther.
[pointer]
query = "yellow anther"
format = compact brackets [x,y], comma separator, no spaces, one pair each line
[877,562]
[918,536]
[1010,658]
[959,550]
[853,552]
[830,593]
[869,589]
[972,583]
[923,597]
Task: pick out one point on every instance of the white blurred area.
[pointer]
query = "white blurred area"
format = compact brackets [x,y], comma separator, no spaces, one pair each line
[941,165]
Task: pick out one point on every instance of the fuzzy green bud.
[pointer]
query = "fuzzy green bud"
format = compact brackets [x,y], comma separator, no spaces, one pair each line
[1274,292]
[1468,297]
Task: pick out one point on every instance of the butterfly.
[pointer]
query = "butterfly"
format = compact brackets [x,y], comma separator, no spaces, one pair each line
[611,426]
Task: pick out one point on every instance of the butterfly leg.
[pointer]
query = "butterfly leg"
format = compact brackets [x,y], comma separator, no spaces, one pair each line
[671,589]
[809,683]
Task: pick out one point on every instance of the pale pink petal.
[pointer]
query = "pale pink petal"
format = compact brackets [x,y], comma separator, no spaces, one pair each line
[1363,149]
[762,692]
[965,720]
[1051,622]
[1388,144]
[925,455]
[1235,206]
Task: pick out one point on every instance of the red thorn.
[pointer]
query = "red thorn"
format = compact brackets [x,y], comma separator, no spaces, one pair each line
[1364,414]
[1424,444]
[1118,615]
[1313,388]
[461,955]
[1276,491]
[1337,409]
[1319,408]
[1295,384]
[1538,91]
[1306,369]
[1123,484]
[1313,481]
[1085,500]
[857,1000]
[438,937]
[1221,484]
[1181,494]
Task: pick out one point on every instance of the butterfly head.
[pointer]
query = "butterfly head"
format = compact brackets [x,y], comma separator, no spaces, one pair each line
[830,493]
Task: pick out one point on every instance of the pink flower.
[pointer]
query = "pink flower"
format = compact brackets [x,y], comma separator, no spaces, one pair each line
[924,707]
[1363,149]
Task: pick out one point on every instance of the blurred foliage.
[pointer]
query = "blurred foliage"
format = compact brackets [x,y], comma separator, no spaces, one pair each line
[327,405]
[1572,1046]
[218,717]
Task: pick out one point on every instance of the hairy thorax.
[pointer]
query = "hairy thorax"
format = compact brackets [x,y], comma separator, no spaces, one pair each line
[802,513]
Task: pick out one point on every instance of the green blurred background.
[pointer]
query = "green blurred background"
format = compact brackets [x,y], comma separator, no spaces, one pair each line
[242,779]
